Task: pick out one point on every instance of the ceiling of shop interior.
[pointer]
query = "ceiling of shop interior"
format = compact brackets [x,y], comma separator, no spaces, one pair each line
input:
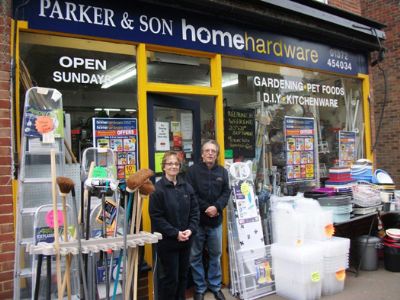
[42,65]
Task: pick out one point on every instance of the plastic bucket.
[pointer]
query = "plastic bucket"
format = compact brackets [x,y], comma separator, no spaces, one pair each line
[368,252]
[391,258]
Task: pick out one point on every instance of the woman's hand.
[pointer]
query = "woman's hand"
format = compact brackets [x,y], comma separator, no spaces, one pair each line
[184,235]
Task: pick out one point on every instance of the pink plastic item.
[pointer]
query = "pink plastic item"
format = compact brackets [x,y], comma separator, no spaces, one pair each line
[329,191]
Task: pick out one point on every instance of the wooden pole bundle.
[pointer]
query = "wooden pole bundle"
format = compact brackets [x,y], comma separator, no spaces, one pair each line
[136,182]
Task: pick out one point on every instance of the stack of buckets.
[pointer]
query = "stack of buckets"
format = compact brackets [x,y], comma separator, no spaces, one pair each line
[340,179]
[361,170]
[306,260]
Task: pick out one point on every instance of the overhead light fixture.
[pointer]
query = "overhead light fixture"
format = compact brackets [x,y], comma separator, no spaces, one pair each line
[120,75]
[107,109]
[230,82]
[130,109]
[174,59]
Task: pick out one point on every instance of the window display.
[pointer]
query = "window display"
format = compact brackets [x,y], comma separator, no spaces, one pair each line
[97,79]
[274,93]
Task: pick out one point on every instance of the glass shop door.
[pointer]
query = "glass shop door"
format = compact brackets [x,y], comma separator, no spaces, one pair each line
[174,124]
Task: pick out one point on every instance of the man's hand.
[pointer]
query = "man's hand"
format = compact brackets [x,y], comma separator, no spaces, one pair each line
[211,211]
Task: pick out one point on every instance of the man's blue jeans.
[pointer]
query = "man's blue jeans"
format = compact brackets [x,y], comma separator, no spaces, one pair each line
[212,237]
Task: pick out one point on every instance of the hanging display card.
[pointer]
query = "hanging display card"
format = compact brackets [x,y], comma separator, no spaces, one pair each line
[347,148]
[187,126]
[158,156]
[240,132]
[120,135]
[300,150]
[162,136]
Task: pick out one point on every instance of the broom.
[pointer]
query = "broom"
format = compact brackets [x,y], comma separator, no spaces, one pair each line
[66,185]
[145,185]
[132,184]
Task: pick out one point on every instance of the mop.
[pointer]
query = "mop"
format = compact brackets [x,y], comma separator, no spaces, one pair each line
[66,185]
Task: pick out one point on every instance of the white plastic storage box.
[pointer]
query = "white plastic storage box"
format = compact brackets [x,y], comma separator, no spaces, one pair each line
[255,272]
[318,222]
[288,226]
[298,270]
[336,261]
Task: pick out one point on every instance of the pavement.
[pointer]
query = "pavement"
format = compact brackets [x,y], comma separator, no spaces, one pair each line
[368,285]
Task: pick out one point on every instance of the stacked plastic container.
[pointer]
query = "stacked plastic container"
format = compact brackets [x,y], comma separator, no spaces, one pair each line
[298,270]
[340,205]
[335,263]
[304,252]
[361,170]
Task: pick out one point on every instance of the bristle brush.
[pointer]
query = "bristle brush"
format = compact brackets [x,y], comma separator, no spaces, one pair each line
[147,188]
[139,178]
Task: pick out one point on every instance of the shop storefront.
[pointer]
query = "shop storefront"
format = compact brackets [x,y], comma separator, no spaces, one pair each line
[186,77]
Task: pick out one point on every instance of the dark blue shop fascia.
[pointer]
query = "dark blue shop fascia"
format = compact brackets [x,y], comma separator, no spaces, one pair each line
[169,26]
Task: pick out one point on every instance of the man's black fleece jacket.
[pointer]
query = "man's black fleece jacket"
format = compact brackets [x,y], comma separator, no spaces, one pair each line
[212,189]
[173,208]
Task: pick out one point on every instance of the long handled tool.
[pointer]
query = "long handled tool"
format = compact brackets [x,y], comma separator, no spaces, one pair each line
[65,187]
[122,254]
[141,179]
[55,216]
[38,274]
[104,235]
[48,266]
[79,236]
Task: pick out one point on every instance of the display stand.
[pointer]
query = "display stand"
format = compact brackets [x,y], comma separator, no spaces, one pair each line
[250,258]
[42,131]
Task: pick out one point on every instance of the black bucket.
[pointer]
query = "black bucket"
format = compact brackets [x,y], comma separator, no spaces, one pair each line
[315,195]
[391,220]
[391,256]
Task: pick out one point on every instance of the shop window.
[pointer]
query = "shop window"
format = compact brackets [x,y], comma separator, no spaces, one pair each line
[95,79]
[274,92]
[178,69]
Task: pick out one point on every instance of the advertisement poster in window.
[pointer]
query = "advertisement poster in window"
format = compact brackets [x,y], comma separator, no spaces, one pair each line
[120,135]
[347,148]
[300,150]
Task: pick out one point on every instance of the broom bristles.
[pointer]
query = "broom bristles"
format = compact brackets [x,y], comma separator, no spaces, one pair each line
[139,178]
[147,188]
[65,184]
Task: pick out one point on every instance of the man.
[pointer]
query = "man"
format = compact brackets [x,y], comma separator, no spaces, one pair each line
[211,185]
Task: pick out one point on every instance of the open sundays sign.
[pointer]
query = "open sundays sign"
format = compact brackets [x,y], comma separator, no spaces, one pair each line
[140,23]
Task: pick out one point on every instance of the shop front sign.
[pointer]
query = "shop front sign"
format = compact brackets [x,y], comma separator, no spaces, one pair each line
[139,23]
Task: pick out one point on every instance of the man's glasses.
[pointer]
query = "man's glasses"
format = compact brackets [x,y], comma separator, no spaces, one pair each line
[210,151]
[170,164]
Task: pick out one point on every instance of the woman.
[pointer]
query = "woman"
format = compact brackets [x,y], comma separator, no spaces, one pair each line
[174,213]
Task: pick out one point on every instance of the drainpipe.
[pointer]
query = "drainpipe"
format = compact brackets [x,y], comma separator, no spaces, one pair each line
[13,91]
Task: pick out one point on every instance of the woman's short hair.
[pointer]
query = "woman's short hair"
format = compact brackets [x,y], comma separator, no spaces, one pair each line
[167,155]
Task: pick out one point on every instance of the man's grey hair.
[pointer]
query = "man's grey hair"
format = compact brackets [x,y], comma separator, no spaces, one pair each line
[213,142]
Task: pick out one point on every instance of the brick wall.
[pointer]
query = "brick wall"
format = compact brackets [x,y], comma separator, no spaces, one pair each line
[352,6]
[6,199]
[387,151]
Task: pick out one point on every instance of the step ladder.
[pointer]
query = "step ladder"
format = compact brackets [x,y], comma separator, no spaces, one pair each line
[42,131]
